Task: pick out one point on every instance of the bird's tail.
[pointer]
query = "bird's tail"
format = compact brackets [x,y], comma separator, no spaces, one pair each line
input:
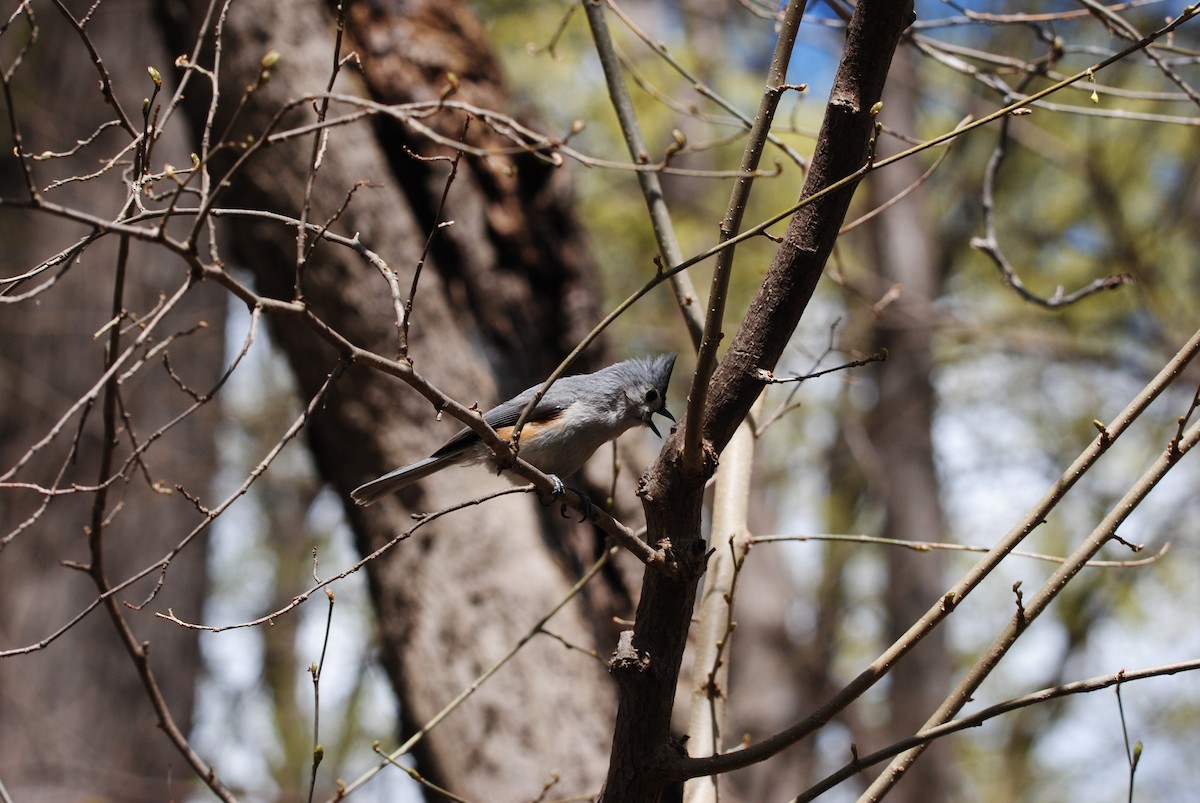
[371,492]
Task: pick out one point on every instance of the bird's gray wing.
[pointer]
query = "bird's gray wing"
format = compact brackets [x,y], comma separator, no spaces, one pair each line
[501,416]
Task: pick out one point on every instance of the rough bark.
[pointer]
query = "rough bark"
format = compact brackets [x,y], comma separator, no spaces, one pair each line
[516,259]
[515,256]
[454,597]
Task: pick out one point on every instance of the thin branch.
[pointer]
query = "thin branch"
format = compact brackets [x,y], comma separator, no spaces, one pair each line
[319,144]
[1023,18]
[404,313]
[106,86]
[706,361]
[318,752]
[1133,754]
[990,243]
[934,546]
[928,735]
[695,767]
[789,402]
[769,378]
[420,779]
[63,258]
[529,635]
[290,434]
[900,196]
[652,191]
[1037,604]
[6,77]
[299,599]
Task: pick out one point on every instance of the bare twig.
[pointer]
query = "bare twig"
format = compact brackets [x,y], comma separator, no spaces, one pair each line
[1133,754]
[933,546]
[318,751]
[652,191]
[769,378]
[928,735]
[1037,604]
[320,142]
[990,243]
[418,777]
[900,196]
[106,85]
[299,599]
[404,313]
[6,77]
[706,360]
[695,767]
[530,634]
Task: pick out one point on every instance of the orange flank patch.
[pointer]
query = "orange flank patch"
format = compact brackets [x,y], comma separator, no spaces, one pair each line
[532,429]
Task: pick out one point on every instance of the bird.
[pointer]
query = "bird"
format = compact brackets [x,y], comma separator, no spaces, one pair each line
[576,416]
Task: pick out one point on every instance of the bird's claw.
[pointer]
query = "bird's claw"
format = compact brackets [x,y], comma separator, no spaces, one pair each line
[559,490]
[584,502]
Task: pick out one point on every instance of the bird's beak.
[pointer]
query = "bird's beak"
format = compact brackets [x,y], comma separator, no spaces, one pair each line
[650,420]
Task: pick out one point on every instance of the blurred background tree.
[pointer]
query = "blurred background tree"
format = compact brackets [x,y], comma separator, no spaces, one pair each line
[984,398]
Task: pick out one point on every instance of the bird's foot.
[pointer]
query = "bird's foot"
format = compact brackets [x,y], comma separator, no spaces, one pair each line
[559,490]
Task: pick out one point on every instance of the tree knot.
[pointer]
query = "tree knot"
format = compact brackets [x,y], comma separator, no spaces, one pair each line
[626,658]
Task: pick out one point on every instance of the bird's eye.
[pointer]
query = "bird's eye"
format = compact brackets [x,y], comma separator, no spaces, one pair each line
[651,396]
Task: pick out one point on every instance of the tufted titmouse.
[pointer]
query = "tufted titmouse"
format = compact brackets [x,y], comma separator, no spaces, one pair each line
[576,417]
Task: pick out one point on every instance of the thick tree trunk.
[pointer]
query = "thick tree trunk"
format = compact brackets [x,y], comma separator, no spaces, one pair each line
[453,598]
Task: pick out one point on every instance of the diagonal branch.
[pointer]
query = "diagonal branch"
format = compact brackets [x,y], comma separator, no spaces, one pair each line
[1102,534]
[652,191]
[928,735]
[845,144]
[739,197]
[690,768]
[647,661]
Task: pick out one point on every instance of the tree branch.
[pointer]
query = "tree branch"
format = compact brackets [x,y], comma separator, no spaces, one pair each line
[928,735]
[647,662]
[652,191]
[690,768]
[843,147]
